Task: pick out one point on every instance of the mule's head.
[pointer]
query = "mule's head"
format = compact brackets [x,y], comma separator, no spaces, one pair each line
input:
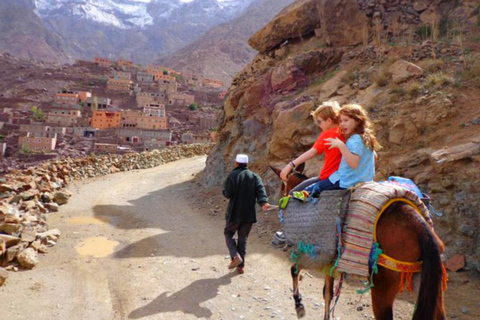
[293,179]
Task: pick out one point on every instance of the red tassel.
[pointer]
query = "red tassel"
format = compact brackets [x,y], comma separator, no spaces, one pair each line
[402,282]
[409,281]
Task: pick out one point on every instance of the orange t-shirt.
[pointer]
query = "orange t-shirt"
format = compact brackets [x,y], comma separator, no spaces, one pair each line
[332,156]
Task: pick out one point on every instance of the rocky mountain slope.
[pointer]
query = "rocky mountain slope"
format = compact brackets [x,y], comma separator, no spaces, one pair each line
[414,65]
[139,30]
[223,50]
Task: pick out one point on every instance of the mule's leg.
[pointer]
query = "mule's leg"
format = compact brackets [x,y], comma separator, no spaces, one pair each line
[385,289]
[328,294]
[299,308]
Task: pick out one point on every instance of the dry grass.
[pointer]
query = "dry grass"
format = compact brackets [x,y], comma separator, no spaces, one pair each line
[413,89]
[438,80]
[431,65]
[381,78]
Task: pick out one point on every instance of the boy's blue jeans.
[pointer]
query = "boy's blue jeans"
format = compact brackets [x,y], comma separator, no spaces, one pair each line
[315,189]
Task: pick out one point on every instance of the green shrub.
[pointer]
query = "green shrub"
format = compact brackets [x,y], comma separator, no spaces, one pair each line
[193,107]
[424,31]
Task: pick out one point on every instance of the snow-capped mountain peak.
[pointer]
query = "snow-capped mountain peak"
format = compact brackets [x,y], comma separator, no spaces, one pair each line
[126,14]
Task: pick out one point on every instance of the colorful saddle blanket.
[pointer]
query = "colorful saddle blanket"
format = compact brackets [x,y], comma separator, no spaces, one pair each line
[366,203]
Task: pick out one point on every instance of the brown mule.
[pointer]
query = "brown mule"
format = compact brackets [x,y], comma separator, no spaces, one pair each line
[403,236]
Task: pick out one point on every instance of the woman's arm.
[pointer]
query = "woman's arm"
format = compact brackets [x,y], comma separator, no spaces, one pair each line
[350,158]
[301,159]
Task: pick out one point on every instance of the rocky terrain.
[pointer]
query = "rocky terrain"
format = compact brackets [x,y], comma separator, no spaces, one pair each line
[414,65]
[27,196]
[223,50]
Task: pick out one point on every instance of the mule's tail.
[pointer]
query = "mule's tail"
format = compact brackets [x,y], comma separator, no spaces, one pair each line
[432,273]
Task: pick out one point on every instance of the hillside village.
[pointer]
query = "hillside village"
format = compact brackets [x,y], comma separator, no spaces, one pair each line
[125,108]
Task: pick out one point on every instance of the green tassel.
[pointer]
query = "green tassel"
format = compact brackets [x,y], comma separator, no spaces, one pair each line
[369,284]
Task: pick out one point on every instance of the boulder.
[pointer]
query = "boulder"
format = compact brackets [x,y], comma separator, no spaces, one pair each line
[402,70]
[287,77]
[330,88]
[294,21]
[341,22]
[60,197]
[9,240]
[455,153]
[421,5]
[27,258]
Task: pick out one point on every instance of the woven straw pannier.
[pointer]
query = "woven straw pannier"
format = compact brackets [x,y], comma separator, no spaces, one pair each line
[315,224]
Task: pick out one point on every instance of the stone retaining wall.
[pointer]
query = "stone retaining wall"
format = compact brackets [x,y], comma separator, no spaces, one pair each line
[27,196]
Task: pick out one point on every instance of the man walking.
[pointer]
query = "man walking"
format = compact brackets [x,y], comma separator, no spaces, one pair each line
[244,188]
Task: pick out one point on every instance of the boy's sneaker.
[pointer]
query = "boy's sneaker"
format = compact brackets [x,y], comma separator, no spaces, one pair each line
[240,270]
[235,262]
[278,243]
[280,235]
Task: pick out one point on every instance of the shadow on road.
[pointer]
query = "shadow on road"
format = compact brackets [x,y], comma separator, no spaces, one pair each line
[187,300]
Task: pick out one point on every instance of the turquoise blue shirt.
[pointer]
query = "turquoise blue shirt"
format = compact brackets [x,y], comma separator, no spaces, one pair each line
[365,170]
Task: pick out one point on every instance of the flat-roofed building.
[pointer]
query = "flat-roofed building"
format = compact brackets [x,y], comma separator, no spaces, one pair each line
[104,119]
[38,142]
[144,77]
[169,86]
[67,97]
[63,117]
[182,99]
[103,62]
[119,85]
[140,136]
[100,102]
[138,119]
[144,98]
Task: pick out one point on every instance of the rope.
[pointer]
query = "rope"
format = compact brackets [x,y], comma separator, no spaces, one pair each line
[376,253]
[338,232]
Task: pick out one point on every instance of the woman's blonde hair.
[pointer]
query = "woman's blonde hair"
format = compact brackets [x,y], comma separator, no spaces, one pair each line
[328,109]
[364,126]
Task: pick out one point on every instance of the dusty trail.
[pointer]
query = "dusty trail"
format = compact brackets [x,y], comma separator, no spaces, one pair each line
[141,245]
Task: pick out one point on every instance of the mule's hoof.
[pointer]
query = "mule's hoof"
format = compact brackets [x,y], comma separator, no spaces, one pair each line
[300,311]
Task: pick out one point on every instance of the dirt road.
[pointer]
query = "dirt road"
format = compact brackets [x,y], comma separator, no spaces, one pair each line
[149,245]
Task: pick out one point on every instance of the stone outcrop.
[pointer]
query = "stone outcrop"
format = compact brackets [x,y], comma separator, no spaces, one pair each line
[266,114]
[27,196]
[402,70]
[298,19]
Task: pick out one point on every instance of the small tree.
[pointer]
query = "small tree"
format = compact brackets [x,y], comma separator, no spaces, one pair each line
[37,113]
[193,107]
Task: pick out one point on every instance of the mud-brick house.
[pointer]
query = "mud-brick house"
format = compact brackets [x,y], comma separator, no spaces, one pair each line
[119,85]
[105,147]
[144,77]
[180,99]
[140,136]
[159,75]
[63,117]
[99,102]
[122,75]
[142,120]
[38,141]
[67,97]
[188,138]
[42,129]
[168,86]
[154,110]
[104,119]
[144,98]
[192,79]
[124,64]
[212,83]
[102,62]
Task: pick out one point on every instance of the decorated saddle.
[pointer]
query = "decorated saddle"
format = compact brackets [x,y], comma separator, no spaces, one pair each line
[341,226]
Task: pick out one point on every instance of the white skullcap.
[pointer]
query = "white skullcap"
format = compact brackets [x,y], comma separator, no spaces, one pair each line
[241,158]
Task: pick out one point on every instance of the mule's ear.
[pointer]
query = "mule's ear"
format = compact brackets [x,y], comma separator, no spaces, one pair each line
[300,168]
[277,171]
